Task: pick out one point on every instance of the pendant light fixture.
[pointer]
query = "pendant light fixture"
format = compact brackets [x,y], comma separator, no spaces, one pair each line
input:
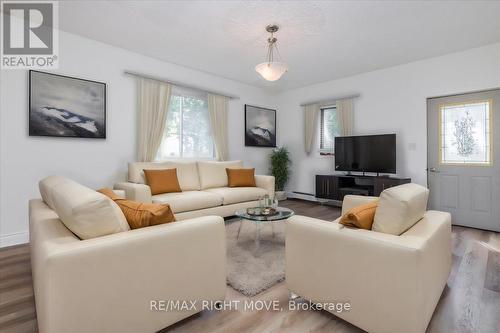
[272,70]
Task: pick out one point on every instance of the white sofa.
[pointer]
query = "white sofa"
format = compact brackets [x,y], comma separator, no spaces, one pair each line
[392,283]
[107,283]
[204,187]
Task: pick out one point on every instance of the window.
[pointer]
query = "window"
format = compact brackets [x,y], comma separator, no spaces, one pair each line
[465,133]
[329,129]
[187,131]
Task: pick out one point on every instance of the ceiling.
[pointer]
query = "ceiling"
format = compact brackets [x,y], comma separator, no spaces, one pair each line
[320,40]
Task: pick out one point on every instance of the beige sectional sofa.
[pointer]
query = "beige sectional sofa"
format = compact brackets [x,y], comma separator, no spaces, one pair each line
[392,282]
[204,187]
[115,281]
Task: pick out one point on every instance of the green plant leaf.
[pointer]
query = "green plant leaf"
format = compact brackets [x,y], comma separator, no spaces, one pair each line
[280,167]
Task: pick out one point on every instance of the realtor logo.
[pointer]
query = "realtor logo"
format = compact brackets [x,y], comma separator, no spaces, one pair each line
[29,35]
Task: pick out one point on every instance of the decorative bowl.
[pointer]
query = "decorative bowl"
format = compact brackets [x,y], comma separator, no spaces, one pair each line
[258,211]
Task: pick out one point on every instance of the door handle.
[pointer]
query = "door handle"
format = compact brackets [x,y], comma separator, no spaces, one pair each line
[433,170]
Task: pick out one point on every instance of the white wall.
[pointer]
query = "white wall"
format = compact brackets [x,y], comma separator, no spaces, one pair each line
[391,100]
[95,163]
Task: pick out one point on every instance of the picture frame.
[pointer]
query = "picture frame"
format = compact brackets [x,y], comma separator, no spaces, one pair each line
[260,127]
[66,106]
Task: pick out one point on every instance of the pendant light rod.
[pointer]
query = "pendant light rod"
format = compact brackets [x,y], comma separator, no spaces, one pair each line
[272,70]
[272,28]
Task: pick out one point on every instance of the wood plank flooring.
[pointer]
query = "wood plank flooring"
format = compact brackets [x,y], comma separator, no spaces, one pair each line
[470,302]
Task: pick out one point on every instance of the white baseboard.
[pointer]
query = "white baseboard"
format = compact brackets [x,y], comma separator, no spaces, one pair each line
[14,238]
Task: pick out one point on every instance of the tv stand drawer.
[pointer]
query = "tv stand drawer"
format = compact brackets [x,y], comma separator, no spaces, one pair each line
[343,191]
[335,187]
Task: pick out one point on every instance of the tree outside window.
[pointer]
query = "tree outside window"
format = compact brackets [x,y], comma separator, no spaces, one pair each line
[187,131]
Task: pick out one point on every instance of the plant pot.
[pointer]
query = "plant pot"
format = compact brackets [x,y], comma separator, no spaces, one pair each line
[280,195]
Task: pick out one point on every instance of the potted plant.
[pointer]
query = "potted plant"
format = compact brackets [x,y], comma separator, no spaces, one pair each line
[280,169]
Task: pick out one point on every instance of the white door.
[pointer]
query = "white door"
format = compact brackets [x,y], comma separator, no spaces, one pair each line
[463,151]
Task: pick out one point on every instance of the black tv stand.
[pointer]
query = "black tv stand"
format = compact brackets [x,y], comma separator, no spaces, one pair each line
[335,187]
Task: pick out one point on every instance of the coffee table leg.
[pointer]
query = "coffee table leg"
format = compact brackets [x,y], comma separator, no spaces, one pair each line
[239,229]
[257,236]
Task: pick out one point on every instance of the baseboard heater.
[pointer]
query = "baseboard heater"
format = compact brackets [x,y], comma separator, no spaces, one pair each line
[304,193]
[312,197]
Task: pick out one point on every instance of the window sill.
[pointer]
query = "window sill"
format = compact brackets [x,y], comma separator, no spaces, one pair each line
[327,153]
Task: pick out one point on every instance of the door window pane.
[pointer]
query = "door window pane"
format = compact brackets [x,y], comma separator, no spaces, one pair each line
[465,136]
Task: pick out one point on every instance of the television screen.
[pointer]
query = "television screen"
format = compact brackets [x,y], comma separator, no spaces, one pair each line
[366,153]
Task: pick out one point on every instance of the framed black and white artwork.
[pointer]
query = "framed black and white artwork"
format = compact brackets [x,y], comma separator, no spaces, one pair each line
[260,126]
[65,106]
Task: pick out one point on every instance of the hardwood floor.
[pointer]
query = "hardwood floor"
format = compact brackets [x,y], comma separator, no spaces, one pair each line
[17,304]
[470,302]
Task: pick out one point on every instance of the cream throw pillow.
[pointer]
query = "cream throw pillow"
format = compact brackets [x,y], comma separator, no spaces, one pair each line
[85,212]
[399,208]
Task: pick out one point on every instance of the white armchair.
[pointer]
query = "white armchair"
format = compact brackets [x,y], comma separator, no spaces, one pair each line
[392,283]
[107,284]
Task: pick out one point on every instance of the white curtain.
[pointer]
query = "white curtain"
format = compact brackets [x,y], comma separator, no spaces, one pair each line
[217,109]
[311,112]
[345,116]
[153,102]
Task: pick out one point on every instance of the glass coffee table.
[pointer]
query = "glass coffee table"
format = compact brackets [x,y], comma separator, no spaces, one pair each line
[258,220]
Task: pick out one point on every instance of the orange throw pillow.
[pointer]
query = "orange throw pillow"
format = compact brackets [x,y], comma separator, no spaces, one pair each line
[241,177]
[360,216]
[139,214]
[162,181]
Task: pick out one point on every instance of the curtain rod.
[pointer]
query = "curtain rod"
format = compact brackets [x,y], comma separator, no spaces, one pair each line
[179,84]
[329,100]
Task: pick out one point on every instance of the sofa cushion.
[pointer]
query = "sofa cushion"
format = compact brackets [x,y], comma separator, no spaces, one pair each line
[46,186]
[85,212]
[399,208]
[360,216]
[162,180]
[213,174]
[120,194]
[241,177]
[232,195]
[141,214]
[187,172]
[188,200]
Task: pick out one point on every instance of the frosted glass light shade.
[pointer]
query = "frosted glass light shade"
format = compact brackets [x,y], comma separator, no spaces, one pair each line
[271,71]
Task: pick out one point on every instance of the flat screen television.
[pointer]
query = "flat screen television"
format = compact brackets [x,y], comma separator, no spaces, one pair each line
[366,153]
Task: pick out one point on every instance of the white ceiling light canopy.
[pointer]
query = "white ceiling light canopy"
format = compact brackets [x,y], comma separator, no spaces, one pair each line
[272,70]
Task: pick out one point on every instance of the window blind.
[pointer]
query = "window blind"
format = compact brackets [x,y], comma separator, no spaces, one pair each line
[329,128]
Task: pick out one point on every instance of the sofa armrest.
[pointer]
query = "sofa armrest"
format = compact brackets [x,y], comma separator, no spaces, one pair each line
[120,193]
[327,262]
[265,182]
[136,192]
[110,283]
[351,201]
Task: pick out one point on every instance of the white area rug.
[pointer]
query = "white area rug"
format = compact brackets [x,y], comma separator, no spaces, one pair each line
[250,271]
